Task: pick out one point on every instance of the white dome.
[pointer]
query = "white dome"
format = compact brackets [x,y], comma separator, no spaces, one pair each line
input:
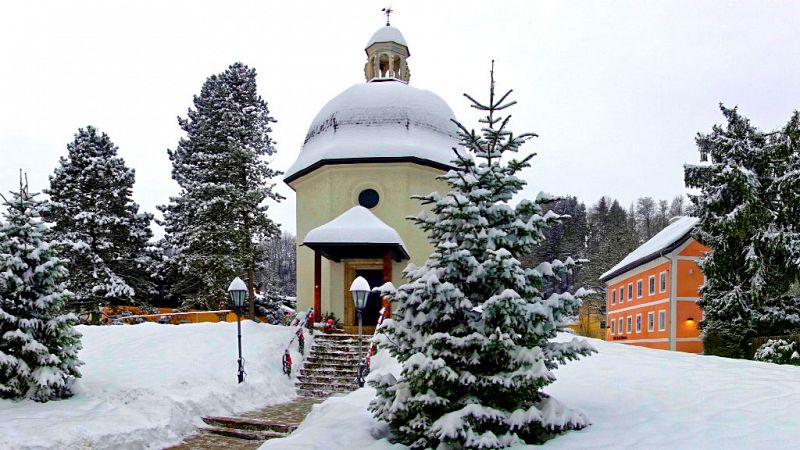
[387,121]
[387,34]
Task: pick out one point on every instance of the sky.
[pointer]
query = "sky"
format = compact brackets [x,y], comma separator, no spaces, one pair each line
[616,90]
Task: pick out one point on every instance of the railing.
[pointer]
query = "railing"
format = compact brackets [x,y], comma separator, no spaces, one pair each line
[301,340]
[363,367]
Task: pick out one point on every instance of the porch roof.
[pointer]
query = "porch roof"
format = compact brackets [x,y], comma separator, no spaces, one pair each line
[356,233]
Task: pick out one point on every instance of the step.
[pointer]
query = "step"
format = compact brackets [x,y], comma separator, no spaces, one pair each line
[345,386]
[337,346]
[326,380]
[320,393]
[243,434]
[333,360]
[328,371]
[249,424]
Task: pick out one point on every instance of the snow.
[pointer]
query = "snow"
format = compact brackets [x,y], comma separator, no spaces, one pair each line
[663,239]
[237,285]
[147,385]
[387,34]
[387,119]
[357,225]
[634,397]
[360,284]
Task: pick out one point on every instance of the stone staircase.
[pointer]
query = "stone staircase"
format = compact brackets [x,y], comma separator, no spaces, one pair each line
[331,366]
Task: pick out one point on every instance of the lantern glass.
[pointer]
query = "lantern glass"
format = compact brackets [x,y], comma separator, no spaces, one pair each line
[238,293]
[360,299]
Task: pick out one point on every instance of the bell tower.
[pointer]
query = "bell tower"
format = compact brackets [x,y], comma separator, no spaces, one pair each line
[387,52]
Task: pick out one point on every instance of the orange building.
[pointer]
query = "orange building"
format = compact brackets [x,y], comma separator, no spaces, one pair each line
[652,293]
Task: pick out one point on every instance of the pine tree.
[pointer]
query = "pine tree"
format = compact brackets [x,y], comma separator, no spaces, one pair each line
[99,225]
[225,181]
[747,205]
[471,326]
[38,343]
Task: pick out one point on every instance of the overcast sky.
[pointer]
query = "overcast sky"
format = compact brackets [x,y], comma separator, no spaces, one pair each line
[616,89]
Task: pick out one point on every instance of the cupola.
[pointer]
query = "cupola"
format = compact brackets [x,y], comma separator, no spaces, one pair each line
[387,52]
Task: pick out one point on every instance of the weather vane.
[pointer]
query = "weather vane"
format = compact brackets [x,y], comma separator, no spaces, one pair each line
[388,11]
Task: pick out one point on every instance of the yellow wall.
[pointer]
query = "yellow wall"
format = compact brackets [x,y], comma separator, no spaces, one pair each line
[331,190]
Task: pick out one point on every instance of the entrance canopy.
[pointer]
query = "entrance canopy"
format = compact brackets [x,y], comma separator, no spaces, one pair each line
[356,233]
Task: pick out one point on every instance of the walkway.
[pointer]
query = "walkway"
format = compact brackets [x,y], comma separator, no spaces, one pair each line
[291,413]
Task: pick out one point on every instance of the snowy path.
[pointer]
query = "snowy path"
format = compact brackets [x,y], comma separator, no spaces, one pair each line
[146,386]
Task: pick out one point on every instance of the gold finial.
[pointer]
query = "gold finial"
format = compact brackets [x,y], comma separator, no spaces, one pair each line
[387,11]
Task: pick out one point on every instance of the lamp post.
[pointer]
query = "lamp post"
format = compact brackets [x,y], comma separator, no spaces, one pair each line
[360,290]
[238,293]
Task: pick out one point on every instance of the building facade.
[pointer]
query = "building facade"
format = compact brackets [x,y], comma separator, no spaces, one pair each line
[652,293]
[367,152]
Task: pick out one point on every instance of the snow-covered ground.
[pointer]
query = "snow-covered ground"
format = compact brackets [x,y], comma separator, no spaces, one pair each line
[145,386]
[635,397]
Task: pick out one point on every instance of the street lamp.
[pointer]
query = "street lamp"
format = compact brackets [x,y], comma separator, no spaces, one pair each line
[360,290]
[238,293]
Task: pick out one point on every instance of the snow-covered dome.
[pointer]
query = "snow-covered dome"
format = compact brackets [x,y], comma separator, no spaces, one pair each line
[387,34]
[379,121]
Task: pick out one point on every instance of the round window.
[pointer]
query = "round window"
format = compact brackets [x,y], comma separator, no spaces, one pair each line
[368,198]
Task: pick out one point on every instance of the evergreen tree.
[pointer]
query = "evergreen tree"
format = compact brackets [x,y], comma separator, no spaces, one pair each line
[225,181]
[99,225]
[38,343]
[471,326]
[748,208]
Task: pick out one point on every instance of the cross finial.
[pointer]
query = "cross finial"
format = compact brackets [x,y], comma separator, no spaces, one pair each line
[387,11]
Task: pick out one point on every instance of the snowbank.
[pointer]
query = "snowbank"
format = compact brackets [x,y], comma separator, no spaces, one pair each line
[635,397]
[146,386]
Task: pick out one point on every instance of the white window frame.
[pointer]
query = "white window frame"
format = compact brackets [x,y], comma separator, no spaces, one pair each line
[621,294]
[651,285]
[620,330]
[613,328]
[651,321]
[662,319]
[629,324]
[639,323]
[630,291]
[639,288]
[613,296]
[662,286]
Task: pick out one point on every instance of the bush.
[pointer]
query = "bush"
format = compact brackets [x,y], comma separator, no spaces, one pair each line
[725,344]
[778,351]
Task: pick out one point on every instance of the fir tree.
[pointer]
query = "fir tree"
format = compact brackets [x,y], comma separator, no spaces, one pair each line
[38,343]
[225,181]
[471,326]
[748,207]
[94,218]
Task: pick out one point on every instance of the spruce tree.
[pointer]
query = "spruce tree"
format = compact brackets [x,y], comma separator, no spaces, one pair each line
[471,326]
[224,177]
[747,206]
[103,234]
[38,342]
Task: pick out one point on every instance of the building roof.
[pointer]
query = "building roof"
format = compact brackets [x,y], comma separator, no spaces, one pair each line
[666,240]
[356,233]
[387,34]
[383,121]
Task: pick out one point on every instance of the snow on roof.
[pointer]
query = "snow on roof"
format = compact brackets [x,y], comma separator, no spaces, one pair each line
[674,232]
[357,225]
[387,34]
[386,119]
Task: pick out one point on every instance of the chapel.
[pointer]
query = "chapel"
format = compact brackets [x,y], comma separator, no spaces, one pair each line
[366,153]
